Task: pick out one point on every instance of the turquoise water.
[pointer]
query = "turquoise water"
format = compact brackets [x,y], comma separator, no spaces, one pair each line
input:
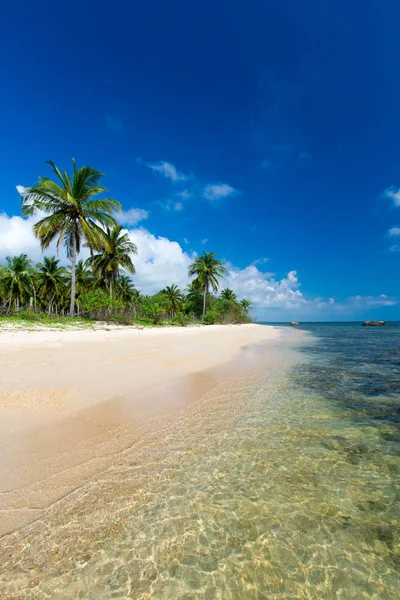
[282,483]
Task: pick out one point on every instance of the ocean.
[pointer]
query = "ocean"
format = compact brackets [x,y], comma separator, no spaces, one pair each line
[282,483]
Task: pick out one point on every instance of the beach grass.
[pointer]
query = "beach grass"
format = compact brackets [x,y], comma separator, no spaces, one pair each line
[31,321]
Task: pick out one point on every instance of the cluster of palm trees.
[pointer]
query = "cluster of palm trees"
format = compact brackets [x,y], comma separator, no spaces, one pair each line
[46,286]
[72,215]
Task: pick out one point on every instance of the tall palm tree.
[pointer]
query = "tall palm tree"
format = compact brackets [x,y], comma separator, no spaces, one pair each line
[175,298]
[208,270]
[73,214]
[246,305]
[17,280]
[52,279]
[228,294]
[116,251]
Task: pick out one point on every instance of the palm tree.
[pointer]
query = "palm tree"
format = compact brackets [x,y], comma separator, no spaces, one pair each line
[208,270]
[228,294]
[116,251]
[194,290]
[83,278]
[52,280]
[175,298]
[246,305]
[126,290]
[17,280]
[73,214]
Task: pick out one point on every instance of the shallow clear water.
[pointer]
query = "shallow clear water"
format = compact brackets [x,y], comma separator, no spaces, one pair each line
[284,483]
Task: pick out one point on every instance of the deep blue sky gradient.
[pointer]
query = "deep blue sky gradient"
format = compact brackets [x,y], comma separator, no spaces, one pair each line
[216,88]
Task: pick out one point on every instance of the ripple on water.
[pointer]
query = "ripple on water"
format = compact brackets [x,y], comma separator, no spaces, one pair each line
[262,490]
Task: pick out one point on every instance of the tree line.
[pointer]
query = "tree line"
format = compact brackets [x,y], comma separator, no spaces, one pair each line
[101,286]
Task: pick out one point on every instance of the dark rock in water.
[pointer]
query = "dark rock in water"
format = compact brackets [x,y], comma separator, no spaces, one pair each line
[293,323]
[374,323]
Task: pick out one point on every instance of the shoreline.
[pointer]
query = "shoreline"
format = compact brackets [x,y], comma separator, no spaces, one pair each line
[125,383]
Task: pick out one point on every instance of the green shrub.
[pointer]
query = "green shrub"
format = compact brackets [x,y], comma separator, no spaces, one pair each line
[98,304]
[29,315]
[182,319]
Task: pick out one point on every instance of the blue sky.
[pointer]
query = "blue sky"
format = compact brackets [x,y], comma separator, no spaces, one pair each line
[268,128]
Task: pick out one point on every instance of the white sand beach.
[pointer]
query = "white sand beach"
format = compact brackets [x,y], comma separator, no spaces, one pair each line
[70,399]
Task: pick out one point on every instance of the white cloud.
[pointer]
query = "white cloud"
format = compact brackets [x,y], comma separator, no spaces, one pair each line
[212,191]
[22,190]
[132,216]
[16,237]
[393,194]
[263,290]
[159,262]
[372,301]
[395,248]
[185,194]
[204,240]
[165,169]
[218,191]
[394,231]
[260,261]
[172,204]
[281,299]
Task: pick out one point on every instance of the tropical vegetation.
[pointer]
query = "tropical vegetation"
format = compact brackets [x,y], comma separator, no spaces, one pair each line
[102,286]
[208,270]
[73,214]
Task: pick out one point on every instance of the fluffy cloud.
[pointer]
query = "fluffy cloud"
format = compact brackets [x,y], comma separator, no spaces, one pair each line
[165,169]
[16,237]
[393,194]
[159,262]
[263,289]
[394,231]
[132,216]
[218,191]
[22,190]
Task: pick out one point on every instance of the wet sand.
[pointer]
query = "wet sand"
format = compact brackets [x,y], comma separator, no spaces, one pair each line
[70,401]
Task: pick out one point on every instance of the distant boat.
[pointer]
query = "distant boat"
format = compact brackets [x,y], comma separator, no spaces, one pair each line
[294,323]
[374,323]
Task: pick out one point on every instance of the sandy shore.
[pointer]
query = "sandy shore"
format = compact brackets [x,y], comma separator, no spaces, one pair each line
[69,400]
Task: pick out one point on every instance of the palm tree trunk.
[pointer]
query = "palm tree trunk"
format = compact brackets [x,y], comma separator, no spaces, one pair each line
[204,301]
[110,288]
[73,275]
